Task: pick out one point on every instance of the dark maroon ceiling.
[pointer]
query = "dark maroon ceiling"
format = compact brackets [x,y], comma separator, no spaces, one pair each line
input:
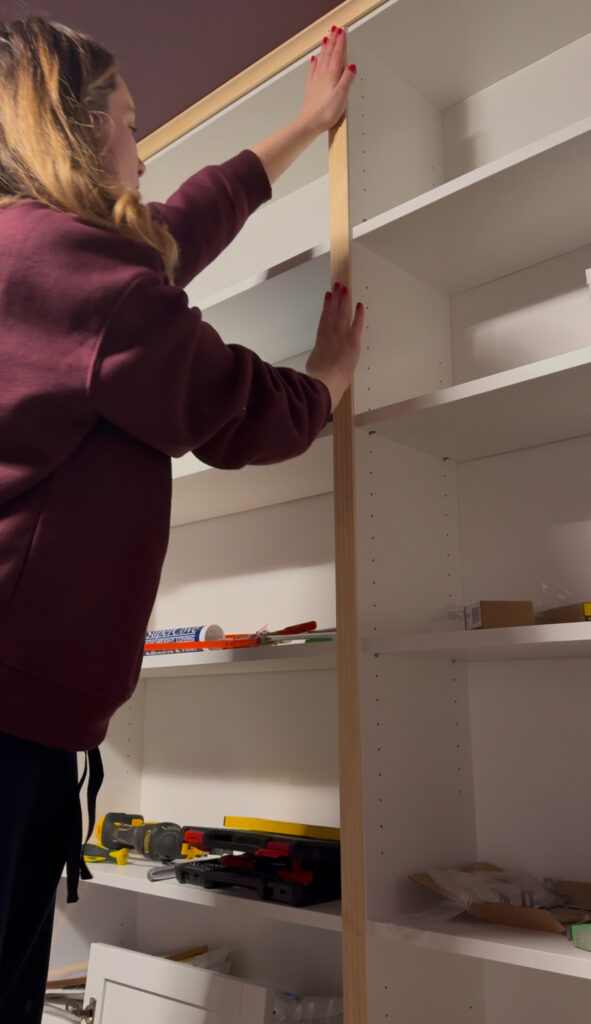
[173,52]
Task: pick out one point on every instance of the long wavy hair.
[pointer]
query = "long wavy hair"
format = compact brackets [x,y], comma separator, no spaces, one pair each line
[54,93]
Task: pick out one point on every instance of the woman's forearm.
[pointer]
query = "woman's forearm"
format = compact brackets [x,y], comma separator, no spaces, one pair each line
[279,150]
[325,100]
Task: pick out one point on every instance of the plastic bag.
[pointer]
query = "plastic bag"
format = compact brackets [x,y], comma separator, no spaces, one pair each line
[513,887]
[217,960]
[447,618]
[550,595]
[290,1008]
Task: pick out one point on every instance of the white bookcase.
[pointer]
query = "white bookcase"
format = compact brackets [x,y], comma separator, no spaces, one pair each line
[468,137]
[469,160]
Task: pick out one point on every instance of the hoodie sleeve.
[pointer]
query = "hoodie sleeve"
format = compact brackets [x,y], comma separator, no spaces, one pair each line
[165,376]
[206,213]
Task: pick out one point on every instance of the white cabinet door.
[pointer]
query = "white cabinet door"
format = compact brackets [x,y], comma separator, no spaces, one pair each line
[130,987]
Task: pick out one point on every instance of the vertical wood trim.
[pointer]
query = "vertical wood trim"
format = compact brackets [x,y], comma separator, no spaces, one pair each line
[350,749]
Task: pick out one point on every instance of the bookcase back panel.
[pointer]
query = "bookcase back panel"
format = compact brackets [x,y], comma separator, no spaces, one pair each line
[121,752]
[466,990]
[420,986]
[99,916]
[538,100]
[516,995]
[263,746]
[529,736]
[542,311]
[260,746]
[296,959]
[409,578]
[419,809]
[269,567]
[526,524]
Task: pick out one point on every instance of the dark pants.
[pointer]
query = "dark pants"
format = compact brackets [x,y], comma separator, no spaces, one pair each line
[40,809]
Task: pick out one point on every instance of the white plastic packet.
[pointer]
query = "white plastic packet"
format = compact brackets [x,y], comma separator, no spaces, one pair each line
[217,960]
[513,887]
[291,1008]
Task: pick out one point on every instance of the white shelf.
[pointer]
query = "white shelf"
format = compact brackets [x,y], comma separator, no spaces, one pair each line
[208,493]
[268,277]
[276,312]
[559,640]
[452,50]
[511,213]
[279,310]
[134,878]
[518,408]
[277,234]
[538,950]
[285,658]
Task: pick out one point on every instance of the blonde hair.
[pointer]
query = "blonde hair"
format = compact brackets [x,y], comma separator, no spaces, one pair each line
[54,88]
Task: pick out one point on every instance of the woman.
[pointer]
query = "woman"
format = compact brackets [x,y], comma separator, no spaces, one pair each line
[105,374]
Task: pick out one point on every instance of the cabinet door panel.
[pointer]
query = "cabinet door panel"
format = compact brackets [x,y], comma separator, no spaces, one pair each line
[129,986]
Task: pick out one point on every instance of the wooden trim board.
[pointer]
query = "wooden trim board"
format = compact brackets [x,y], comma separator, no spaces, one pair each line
[354,911]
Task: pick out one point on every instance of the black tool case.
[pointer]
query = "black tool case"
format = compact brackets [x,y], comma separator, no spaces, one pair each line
[213,874]
[284,869]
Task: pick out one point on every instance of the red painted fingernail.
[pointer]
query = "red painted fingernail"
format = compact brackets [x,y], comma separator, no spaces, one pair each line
[353,68]
[312,58]
[359,305]
[327,296]
[340,32]
[344,289]
[325,40]
[337,286]
[334,28]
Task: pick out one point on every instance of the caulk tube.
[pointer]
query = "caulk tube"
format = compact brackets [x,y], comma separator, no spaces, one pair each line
[183,634]
[188,634]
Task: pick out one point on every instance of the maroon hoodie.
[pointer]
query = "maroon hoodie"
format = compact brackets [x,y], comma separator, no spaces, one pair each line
[105,373]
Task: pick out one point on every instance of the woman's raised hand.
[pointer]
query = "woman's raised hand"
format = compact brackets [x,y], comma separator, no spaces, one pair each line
[328,84]
[327,90]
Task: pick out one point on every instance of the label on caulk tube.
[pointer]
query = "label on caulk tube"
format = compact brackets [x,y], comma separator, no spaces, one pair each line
[183,634]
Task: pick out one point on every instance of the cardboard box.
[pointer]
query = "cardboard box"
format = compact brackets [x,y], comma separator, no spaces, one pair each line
[579,612]
[496,614]
[556,920]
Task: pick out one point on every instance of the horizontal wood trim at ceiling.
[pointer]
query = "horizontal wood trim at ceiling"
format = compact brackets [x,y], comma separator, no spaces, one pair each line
[271,64]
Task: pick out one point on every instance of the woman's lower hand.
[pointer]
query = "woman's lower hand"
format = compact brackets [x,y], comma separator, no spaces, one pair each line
[328,84]
[334,358]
